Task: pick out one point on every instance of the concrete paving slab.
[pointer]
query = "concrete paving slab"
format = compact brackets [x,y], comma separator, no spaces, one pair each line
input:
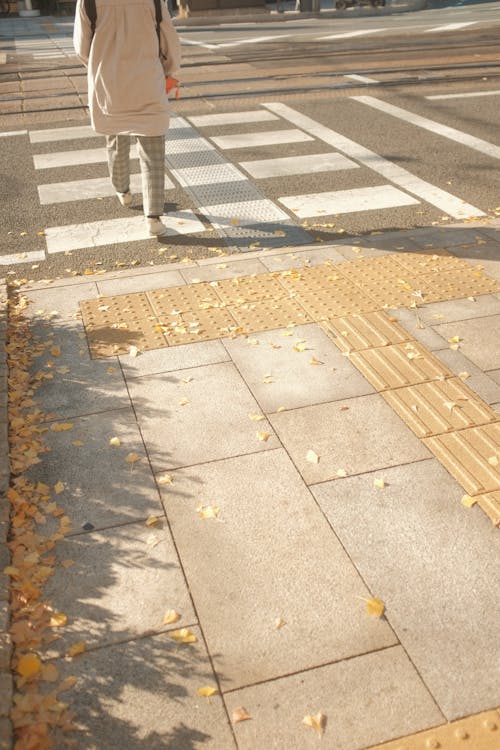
[495,375]
[366,436]
[101,487]
[295,381]
[270,554]
[313,257]
[213,424]
[483,384]
[425,555]
[143,693]
[437,313]
[370,698]
[224,269]
[411,320]
[57,299]
[143,283]
[122,582]
[80,385]
[174,358]
[480,339]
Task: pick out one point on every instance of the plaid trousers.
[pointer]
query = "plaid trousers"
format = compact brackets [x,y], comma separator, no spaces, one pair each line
[151,150]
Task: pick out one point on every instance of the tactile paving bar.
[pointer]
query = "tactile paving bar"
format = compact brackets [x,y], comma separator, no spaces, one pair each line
[267,314]
[353,333]
[472,456]
[490,503]
[440,406]
[190,327]
[250,289]
[188,298]
[110,340]
[399,365]
[477,732]
[104,311]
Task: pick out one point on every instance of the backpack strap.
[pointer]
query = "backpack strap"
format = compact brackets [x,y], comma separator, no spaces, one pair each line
[91,12]
[159,16]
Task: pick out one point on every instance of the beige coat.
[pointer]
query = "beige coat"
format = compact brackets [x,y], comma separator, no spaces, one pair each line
[126,75]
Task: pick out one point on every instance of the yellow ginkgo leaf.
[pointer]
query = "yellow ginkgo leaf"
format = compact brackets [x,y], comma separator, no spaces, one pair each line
[207,691]
[316,722]
[61,426]
[183,401]
[240,714]
[468,501]
[77,443]
[55,351]
[152,521]
[493,460]
[28,665]
[50,673]
[299,346]
[58,619]
[312,457]
[164,479]
[171,616]
[132,458]
[256,417]
[263,436]
[58,488]
[375,607]
[184,635]
[341,473]
[133,351]
[454,340]
[208,511]
[115,441]
[379,483]
[315,361]
[280,409]
[279,623]
[76,649]
[464,375]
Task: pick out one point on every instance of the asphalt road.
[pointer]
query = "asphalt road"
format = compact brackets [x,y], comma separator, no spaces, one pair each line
[356,125]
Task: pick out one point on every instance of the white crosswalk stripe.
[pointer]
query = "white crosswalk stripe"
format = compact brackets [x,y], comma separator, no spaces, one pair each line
[347,201]
[450,27]
[81,190]
[266,138]
[293,165]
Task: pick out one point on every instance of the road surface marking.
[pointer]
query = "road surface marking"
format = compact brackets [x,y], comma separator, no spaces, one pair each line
[94,234]
[361,79]
[463,96]
[81,190]
[11,133]
[398,175]
[232,118]
[450,27]
[434,127]
[208,175]
[291,165]
[254,40]
[266,138]
[85,131]
[8,260]
[347,34]
[244,213]
[347,201]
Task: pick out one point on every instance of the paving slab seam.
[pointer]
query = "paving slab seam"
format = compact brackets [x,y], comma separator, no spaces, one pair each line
[370,471]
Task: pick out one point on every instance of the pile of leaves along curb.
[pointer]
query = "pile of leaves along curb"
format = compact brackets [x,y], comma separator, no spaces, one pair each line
[33,713]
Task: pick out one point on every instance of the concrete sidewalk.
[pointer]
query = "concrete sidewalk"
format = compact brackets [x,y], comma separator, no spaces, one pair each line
[249,450]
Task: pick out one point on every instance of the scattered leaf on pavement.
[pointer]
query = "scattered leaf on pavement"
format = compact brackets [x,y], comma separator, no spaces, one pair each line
[316,722]
[375,606]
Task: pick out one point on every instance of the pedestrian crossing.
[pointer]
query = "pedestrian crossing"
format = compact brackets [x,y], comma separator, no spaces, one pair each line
[243,202]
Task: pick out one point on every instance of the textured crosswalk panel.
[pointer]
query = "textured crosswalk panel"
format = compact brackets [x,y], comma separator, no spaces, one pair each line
[477,732]
[250,289]
[399,365]
[353,333]
[119,338]
[322,305]
[189,298]
[268,314]
[472,456]
[107,311]
[440,406]
[490,504]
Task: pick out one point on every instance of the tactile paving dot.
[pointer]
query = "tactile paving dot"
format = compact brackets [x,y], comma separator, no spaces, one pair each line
[267,314]
[399,365]
[472,456]
[373,269]
[190,327]
[191,297]
[323,305]
[440,406]
[461,283]
[250,289]
[399,292]
[425,261]
[105,311]
[490,503]
[323,278]
[354,333]
[477,732]
[110,340]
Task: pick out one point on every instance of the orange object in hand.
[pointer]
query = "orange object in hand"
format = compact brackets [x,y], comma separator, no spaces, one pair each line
[172,83]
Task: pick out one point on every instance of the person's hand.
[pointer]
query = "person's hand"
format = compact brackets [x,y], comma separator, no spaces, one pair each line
[171,84]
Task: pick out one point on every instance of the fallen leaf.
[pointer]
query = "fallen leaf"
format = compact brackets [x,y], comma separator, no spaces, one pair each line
[312,457]
[115,441]
[454,340]
[171,616]
[207,691]
[184,635]
[240,714]
[263,436]
[164,479]
[464,375]
[299,346]
[468,501]
[341,473]
[76,649]
[58,619]
[375,606]
[77,443]
[281,408]
[132,458]
[61,426]
[133,351]
[316,722]
[315,361]
[279,623]
[152,521]
[28,665]
[58,488]
[493,460]
[379,483]
[55,351]
[183,401]
[256,417]
[208,511]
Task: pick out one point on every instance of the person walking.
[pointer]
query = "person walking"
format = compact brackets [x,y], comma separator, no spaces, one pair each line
[129,48]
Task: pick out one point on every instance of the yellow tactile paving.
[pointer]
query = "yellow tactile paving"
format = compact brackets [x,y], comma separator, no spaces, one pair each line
[453,284]
[478,732]
[399,365]
[440,406]
[490,503]
[106,311]
[472,456]
[204,325]
[353,333]
[188,298]
[437,261]
[322,305]
[322,278]
[118,338]
[249,289]
[268,314]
